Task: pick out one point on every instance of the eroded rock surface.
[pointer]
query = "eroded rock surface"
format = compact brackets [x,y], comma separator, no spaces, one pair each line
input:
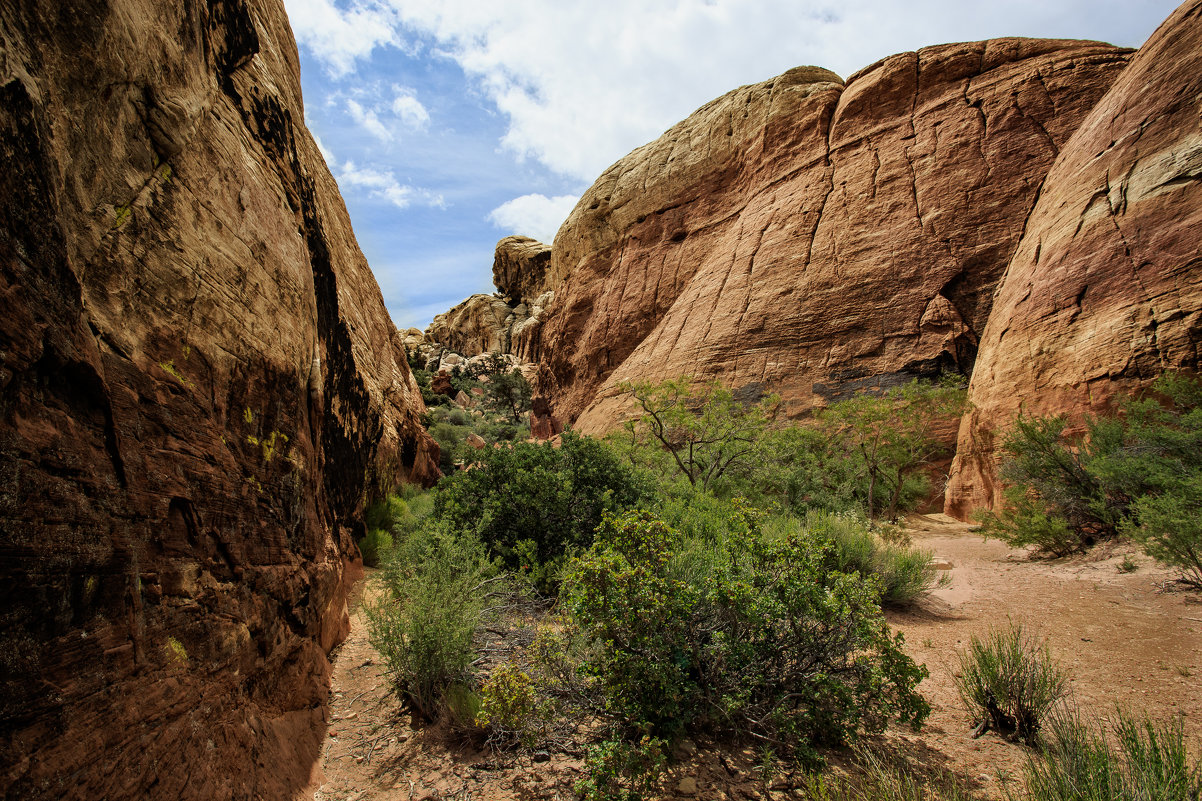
[198,384]
[1105,290]
[507,322]
[810,238]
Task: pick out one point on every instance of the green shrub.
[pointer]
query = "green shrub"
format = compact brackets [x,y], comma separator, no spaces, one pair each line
[531,503]
[1139,473]
[1142,761]
[904,573]
[1169,527]
[374,546]
[509,706]
[1011,682]
[619,770]
[765,641]
[435,587]
[1027,521]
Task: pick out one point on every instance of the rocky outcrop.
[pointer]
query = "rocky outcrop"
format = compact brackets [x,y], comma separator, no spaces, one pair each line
[1105,289]
[812,238]
[506,322]
[519,268]
[199,384]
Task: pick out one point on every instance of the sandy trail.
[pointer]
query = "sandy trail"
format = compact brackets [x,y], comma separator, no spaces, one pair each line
[1124,639]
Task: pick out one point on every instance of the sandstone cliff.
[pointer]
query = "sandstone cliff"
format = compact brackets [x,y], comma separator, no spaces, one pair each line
[198,384]
[1105,289]
[810,237]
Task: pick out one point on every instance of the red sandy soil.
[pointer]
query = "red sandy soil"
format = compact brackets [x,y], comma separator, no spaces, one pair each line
[1127,638]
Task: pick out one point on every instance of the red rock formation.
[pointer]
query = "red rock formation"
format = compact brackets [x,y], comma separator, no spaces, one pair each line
[805,238]
[198,384]
[1105,289]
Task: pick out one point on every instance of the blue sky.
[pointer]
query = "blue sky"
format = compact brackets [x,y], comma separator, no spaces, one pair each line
[451,123]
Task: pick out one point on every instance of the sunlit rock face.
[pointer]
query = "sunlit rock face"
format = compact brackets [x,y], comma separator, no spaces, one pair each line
[814,237]
[199,385]
[1104,292]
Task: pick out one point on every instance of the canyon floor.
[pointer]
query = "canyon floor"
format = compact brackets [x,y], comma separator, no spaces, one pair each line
[1127,638]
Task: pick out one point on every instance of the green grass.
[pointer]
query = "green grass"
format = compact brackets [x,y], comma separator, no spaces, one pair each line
[1140,760]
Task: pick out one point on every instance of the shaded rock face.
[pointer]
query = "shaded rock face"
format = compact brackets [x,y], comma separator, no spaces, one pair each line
[198,385]
[809,238]
[1105,290]
[507,322]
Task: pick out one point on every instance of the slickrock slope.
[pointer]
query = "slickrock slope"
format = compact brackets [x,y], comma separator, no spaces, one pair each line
[198,382]
[811,239]
[1105,290]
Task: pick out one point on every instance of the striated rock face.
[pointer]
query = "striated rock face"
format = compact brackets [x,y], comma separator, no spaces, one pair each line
[508,321]
[198,384]
[1105,289]
[810,238]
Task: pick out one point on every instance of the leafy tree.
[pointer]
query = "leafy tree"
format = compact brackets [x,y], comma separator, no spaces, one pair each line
[703,429]
[506,390]
[891,434]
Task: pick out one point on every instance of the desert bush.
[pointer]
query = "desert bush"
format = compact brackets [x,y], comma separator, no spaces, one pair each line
[902,573]
[1025,520]
[377,543]
[531,503]
[1140,761]
[1139,473]
[435,586]
[509,706]
[1169,527]
[1011,682]
[765,641]
[621,770]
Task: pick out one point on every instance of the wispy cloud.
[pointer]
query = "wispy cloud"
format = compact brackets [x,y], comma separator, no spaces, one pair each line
[341,36]
[382,184]
[408,109]
[367,119]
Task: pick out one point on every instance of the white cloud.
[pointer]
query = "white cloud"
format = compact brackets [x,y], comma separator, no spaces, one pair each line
[408,109]
[368,120]
[341,36]
[535,215]
[383,185]
[325,153]
[583,83]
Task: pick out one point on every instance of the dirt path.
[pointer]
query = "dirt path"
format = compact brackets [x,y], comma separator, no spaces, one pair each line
[1123,639]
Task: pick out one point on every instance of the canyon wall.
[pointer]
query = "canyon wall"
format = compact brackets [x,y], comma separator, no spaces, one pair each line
[814,238]
[199,384]
[1105,290]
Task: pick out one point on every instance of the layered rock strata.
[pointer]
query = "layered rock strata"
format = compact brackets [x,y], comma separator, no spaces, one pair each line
[1105,289]
[812,238]
[199,384]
